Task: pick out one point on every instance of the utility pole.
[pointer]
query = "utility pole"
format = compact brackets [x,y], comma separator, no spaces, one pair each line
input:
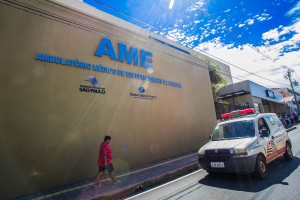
[288,76]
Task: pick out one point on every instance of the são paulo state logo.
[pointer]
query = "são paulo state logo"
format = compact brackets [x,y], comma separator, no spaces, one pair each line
[94,88]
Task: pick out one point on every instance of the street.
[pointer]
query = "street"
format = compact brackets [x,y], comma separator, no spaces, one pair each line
[282,183]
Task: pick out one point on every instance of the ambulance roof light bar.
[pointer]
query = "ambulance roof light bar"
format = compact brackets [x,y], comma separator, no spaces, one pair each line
[247,111]
[238,113]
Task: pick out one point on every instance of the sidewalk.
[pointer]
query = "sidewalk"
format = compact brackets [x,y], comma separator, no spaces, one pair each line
[295,126]
[131,181]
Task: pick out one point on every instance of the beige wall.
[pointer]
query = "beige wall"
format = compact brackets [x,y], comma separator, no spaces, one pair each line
[50,132]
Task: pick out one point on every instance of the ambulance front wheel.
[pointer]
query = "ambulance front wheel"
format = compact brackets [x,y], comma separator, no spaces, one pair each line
[261,168]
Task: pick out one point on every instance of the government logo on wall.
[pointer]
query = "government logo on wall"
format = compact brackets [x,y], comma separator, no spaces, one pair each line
[141,94]
[94,88]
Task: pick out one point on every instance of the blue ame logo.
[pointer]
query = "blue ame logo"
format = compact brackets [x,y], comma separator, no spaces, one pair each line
[93,81]
[142,89]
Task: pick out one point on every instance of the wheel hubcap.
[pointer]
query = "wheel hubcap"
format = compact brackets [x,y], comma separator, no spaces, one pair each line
[262,166]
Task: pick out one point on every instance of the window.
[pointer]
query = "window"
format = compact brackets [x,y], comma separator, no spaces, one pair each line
[270,94]
[273,125]
[277,120]
[234,130]
[262,124]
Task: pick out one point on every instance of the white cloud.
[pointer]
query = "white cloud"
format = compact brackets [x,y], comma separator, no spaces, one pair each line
[276,33]
[175,35]
[228,10]
[294,10]
[249,21]
[196,6]
[263,17]
[245,57]
[190,39]
[271,35]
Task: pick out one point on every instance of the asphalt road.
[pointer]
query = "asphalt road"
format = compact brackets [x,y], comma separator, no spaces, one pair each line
[283,183]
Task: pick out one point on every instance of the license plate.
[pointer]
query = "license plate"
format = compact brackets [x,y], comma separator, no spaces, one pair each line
[217,165]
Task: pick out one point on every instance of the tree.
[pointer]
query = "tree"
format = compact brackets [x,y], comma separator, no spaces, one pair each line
[216,78]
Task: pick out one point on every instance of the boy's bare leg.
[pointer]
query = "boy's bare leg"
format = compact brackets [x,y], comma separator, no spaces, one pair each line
[98,178]
[112,176]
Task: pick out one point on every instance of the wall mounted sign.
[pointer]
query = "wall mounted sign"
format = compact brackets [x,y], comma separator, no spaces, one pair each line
[138,57]
[142,95]
[94,88]
[100,68]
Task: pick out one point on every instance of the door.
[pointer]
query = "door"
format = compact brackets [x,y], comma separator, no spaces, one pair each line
[280,135]
[272,140]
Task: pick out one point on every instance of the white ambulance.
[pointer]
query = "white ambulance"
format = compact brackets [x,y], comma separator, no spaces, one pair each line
[245,142]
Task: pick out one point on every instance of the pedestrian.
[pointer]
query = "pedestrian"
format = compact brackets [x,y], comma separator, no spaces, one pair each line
[282,119]
[287,120]
[296,119]
[105,162]
[291,117]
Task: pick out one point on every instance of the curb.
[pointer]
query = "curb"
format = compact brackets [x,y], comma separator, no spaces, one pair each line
[151,182]
[291,129]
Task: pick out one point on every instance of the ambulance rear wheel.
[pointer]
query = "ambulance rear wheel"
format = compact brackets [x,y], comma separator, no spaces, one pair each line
[261,168]
[288,155]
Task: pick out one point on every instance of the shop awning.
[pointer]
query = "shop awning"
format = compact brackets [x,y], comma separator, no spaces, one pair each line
[234,94]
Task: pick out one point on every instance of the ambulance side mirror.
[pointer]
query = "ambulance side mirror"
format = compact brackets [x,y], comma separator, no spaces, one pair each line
[209,137]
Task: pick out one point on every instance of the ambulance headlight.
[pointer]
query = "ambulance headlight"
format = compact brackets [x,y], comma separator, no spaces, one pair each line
[240,153]
[201,152]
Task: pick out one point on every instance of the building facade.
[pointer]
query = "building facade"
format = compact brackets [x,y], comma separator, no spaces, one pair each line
[71,74]
[289,98]
[250,94]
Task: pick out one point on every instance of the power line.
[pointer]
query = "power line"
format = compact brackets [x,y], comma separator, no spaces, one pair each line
[96,30]
[241,78]
[152,27]
[288,76]
[231,32]
[241,68]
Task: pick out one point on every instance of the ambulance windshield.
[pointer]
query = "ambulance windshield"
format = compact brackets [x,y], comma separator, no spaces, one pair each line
[234,130]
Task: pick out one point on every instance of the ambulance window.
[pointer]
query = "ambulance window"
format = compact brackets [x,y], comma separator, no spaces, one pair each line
[262,124]
[277,120]
[271,120]
[272,123]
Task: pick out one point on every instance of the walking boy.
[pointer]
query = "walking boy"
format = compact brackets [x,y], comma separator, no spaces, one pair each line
[105,161]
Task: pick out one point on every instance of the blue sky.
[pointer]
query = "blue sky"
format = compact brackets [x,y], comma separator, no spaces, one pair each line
[226,29]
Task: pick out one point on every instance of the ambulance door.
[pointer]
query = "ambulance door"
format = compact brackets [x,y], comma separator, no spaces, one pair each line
[272,145]
[280,135]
